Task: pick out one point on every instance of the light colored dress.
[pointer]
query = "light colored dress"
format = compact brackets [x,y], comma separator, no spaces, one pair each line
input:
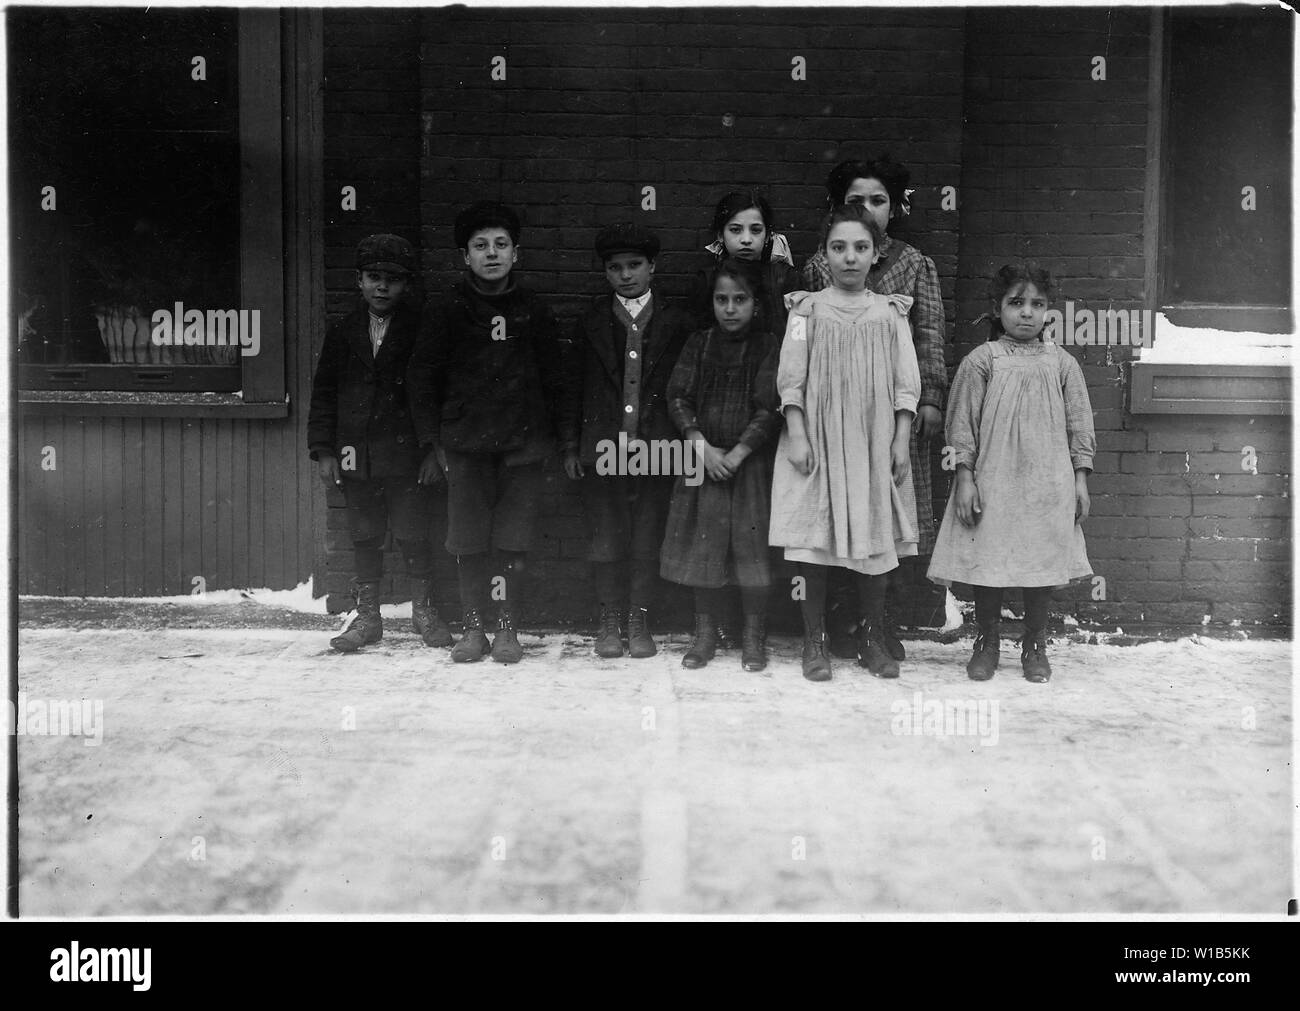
[1020,417]
[848,361]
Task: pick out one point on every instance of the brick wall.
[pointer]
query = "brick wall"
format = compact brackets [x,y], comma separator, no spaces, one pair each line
[593,109]
[1053,169]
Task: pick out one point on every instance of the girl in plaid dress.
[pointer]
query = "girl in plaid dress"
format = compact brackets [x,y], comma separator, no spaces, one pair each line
[721,398]
[880,186]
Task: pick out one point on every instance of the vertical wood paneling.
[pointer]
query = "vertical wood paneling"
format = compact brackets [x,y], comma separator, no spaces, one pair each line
[133,507]
[154,511]
[112,478]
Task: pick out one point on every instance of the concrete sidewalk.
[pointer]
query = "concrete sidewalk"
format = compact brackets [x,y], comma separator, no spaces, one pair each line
[254,771]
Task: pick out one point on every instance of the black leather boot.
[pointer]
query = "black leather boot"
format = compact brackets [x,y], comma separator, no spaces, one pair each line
[816,663]
[872,653]
[640,643]
[1033,656]
[984,657]
[473,645]
[705,645]
[426,621]
[609,640]
[753,643]
[505,647]
[367,627]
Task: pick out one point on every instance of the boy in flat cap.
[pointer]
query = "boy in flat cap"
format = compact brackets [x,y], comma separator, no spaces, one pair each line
[625,345]
[486,382]
[361,435]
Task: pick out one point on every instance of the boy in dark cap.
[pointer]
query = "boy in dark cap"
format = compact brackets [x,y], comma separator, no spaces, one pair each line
[625,345]
[361,435]
[485,381]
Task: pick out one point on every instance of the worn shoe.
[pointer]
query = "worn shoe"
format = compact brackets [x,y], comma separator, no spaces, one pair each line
[505,647]
[473,645]
[640,644]
[367,627]
[816,664]
[1033,657]
[872,654]
[985,655]
[889,637]
[753,643]
[609,640]
[705,645]
[426,621]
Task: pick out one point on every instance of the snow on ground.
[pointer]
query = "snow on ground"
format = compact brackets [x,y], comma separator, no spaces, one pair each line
[254,771]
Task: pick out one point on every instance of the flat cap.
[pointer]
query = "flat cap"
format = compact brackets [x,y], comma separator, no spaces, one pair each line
[386,252]
[626,237]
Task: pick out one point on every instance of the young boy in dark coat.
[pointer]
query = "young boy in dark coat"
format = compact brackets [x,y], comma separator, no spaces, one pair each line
[485,382]
[625,346]
[360,433]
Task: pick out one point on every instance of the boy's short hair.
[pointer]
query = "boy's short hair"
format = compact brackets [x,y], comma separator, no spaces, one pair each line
[626,237]
[485,214]
[386,252]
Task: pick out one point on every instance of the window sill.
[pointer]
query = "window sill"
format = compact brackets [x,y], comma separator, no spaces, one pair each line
[1208,388]
[147,404]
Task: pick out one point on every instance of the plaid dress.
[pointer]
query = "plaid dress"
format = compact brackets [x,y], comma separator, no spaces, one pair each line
[717,530]
[903,270]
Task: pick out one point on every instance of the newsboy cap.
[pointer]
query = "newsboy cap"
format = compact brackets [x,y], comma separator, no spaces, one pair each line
[626,237]
[386,252]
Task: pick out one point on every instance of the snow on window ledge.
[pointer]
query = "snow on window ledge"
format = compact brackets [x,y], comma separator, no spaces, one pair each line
[1184,345]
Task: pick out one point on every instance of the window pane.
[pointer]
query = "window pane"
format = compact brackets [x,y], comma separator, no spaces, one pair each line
[132,117]
[1229,127]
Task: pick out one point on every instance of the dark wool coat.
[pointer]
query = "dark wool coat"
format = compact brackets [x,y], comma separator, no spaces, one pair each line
[593,401]
[479,388]
[360,401]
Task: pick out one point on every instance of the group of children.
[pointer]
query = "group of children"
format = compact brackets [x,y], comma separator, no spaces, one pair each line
[806,408]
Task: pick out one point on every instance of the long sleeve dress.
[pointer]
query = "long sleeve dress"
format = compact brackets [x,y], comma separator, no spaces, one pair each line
[848,362]
[717,531]
[904,270]
[1020,418]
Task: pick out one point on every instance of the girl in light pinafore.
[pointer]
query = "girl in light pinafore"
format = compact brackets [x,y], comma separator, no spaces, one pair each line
[1020,423]
[841,487]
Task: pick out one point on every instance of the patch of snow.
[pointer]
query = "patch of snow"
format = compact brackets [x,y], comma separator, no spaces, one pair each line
[299,599]
[1210,346]
[953,618]
[1070,621]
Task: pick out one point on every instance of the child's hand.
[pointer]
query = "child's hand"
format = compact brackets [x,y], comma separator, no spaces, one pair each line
[328,466]
[900,460]
[430,469]
[736,456]
[715,461]
[929,422]
[1082,502]
[967,499]
[572,465]
[799,452]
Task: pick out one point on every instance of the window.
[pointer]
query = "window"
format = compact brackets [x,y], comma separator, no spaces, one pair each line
[145,201]
[1218,225]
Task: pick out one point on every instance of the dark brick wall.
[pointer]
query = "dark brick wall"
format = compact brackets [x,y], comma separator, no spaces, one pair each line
[1053,169]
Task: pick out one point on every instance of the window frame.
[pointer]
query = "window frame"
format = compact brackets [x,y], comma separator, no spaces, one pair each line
[1194,387]
[264,123]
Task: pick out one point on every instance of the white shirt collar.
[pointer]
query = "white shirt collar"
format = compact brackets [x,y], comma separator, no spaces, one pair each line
[634,305]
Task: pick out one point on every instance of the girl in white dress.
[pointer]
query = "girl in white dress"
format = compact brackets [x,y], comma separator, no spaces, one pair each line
[1020,423]
[841,487]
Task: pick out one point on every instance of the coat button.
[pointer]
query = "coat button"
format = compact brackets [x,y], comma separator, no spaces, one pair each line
[401,439]
[631,354]
[627,409]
